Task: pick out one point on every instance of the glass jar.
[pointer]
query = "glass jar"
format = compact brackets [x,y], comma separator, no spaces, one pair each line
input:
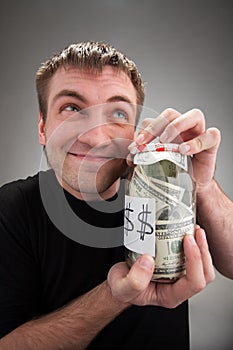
[160,208]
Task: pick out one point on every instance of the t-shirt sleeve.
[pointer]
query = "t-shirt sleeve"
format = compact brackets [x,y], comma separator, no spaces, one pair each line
[19,273]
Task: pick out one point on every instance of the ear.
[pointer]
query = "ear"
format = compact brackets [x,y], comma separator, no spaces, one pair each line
[41,130]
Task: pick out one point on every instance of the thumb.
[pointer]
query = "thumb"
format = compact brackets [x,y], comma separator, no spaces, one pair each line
[126,287]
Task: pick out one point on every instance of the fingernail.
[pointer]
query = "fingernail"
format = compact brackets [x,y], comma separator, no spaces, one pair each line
[146,262]
[203,235]
[140,139]
[184,148]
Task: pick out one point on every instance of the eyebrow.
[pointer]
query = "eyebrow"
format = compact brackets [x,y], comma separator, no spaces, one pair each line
[69,93]
[119,98]
[77,96]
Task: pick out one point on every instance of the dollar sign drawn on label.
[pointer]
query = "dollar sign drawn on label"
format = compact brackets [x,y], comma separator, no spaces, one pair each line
[129,224]
[143,217]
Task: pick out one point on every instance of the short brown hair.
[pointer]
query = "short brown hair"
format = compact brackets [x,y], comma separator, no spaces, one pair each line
[86,55]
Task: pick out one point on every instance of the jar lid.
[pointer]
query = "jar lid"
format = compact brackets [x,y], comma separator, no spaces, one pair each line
[155,151]
[155,146]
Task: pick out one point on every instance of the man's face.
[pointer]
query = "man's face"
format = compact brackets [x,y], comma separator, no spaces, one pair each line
[90,123]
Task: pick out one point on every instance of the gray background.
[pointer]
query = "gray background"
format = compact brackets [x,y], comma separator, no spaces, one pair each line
[184,52]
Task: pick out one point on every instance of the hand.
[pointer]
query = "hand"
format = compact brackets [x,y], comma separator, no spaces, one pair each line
[134,286]
[189,131]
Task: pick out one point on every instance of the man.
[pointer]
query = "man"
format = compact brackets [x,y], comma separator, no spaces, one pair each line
[62,290]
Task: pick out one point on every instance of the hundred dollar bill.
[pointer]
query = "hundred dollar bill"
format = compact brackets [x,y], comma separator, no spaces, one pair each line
[169,188]
[139,187]
[154,157]
[164,169]
[174,228]
[173,190]
[170,258]
[142,186]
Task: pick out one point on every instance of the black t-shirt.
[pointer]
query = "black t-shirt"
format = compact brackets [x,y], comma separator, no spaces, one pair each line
[42,269]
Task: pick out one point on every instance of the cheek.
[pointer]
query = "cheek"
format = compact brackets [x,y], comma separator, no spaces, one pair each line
[60,135]
[124,139]
[129,132]
[50,130]
[125,132]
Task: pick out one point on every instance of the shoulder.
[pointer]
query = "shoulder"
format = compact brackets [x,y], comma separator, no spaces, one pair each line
[22,189]
[21,209]
[20,200]
[14,202]
[14,187]
[14,193]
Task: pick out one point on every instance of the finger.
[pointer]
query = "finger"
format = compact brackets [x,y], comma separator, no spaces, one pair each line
[151,128]
[141,272]
[208,140]
[129,160]
[127,285]
[194,265]
[188,124]
[205,254]
[189,285]
[116,280]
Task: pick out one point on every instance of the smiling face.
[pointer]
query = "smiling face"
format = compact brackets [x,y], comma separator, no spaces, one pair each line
[90,123]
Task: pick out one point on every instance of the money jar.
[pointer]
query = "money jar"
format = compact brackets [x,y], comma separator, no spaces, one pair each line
[160,208]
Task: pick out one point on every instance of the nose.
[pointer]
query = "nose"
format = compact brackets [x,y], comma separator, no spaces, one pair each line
[96,136]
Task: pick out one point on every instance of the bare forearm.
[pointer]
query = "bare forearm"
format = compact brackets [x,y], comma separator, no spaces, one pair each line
[72,327]
[215,215]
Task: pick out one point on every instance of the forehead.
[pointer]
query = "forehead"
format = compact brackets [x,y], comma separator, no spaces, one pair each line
[110,81]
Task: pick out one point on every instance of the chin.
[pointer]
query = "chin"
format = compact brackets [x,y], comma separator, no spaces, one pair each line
[95,187]
[89,182]
[90,185]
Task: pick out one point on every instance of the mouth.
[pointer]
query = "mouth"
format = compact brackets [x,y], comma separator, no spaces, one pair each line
[90,158]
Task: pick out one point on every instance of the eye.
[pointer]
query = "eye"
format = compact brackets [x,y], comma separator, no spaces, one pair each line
[118,114]
[71,108]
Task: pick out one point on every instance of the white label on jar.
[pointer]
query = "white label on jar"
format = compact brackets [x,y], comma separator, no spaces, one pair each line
[139,225]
